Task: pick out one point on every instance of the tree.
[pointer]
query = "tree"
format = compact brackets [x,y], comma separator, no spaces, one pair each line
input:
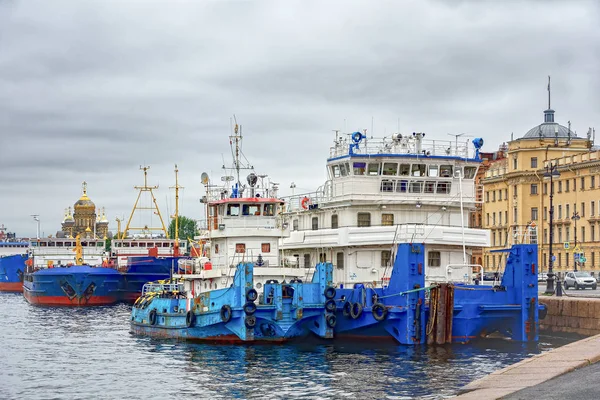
[187,228]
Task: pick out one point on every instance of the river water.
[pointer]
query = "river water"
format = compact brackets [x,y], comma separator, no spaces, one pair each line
[69,353]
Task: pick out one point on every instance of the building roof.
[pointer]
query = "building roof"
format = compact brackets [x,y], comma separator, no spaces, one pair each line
[549,129]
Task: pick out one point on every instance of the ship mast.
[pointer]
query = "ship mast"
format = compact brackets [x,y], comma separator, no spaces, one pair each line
[176,216]
[149,189]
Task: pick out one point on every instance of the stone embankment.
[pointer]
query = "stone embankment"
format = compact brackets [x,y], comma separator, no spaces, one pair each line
[571,315]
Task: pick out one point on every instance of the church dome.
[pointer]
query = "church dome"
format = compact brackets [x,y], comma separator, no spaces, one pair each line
[550,129]
[84,201]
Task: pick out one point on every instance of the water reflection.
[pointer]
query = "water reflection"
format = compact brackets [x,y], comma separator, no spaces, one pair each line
[79,353]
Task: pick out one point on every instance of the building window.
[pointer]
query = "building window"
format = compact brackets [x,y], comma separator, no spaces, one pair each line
[560,235]
[493,238]
[574,184]
[494,219]
[545,213]
[534,188]
[515,191]
[494,195]
[500,218]
[534,213]
[506,216]
[593,260]
[545,259]
[265,247]
[593,233]
[240,248]
[533,162]
[583,234]
[567,259]
[340,260]
[487,215]
[567,185]
[386,258]
[364,219]
[515,212]
[559,211]
[559,186]
[315,223]
[545,188]
[506,194]
[568,212]
[307,261]
[514,163]
[334,221]
[592,181]
[592,209]
[387,219]
[434,259]
[567,234]
[583,183]
[545,238]
[582,210]
[295,225]
[487,197]
[500,195]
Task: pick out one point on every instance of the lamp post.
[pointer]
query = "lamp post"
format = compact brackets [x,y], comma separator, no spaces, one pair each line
[576,218]
[36,218]
[551,171]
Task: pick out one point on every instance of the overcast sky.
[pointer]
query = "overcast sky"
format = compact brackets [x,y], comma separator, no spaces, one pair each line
[91,90]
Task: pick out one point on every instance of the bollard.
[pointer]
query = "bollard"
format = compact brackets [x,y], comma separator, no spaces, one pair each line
[558,288]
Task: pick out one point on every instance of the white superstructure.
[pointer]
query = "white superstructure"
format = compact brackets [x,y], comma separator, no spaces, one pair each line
[54,252]
[381,192]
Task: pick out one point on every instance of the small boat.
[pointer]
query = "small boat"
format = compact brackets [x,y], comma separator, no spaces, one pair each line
[187,308]
[71,285]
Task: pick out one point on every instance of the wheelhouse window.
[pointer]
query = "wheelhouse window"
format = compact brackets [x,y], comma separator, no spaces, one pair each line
[418,170]
[307,260]
[269,210]
[430,186]
[240,248]
[387,186]
[446,171]
[315,223]
[387,219]
[434,259]
[470,172]
[233,210]
[344,170]
[360,168]
[443,187]
[334,221]
[335,170]
[295,225]
[390,169]
[434,171]
[251,209]
[401,186]
[265,247]
[373,169]
[404,170]
[364,219]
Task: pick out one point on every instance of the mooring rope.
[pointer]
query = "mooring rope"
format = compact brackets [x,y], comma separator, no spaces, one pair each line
[408,291]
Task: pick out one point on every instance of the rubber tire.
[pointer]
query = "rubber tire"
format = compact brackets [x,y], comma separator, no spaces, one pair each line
[576,286]
[249,308]
[329,292]
[152,317]
[250,321]
[356,310]
[251,295]
[330,306]
[226,313]
[594,287]
[346,309]
[381,314]
[190,319]
[331,320]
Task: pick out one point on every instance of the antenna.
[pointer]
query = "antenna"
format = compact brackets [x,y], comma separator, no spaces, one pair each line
[176,187]
[548,92]
[150,189]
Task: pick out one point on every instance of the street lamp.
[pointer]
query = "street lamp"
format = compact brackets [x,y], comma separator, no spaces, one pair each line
[36,218]
[551,172]
[576,218]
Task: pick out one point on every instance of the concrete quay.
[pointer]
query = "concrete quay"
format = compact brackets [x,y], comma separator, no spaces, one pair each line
[534,371]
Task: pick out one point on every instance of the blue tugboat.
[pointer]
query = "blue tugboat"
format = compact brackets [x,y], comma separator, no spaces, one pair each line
[183,309]
[453,313]
[76,285]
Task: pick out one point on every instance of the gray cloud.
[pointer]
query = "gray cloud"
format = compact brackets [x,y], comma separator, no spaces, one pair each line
[92,90]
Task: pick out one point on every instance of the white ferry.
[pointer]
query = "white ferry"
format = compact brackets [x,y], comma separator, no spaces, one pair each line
[381,192]
[54,252]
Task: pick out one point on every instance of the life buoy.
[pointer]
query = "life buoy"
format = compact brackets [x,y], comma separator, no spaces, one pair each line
[356,310]
[379,312]
[330,305]
[190,319]
[331,320]
[152,317]
[226,313]
[329,292]
[250,321]
[305,202]
[249,308]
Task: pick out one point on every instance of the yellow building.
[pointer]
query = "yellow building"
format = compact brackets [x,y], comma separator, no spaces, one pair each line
[516,196]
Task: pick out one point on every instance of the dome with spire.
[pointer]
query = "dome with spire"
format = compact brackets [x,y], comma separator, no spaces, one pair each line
[550,129]
[68,220]
[84,201]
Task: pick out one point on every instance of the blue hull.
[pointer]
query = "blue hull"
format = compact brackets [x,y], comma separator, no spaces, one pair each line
[11,273]
[80,285]
[144,269]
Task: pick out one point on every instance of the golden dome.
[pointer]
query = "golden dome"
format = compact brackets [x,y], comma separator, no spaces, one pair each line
[84,201]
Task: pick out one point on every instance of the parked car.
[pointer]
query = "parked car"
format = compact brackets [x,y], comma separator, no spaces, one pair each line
[542,277]
[580,280]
